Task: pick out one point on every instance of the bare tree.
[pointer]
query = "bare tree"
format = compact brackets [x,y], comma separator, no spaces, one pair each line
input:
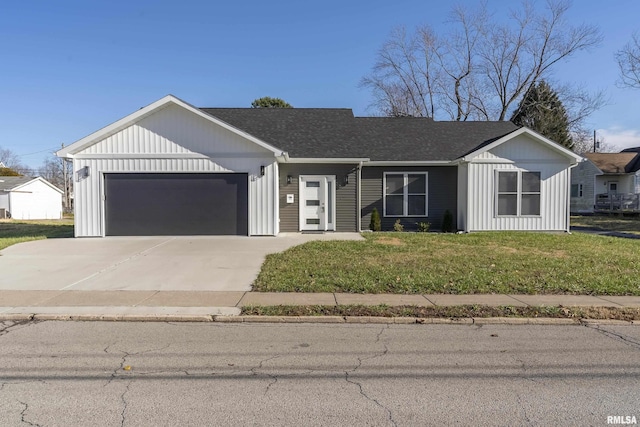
[481,68]
[403,82]
[583,143]
[59,172]
[628,59]
[12,161]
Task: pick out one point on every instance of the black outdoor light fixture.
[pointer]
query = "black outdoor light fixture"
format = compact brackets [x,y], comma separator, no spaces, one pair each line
[346,180]
[261,170]
[289,179]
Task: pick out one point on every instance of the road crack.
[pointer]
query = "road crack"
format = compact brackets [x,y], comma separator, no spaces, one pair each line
[274,378]
[23,415]
[123,361]
[613,335]
[525,373]
[125,403]
[9,325]
[524,410]
[359,385]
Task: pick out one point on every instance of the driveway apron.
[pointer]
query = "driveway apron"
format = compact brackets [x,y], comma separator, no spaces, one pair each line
[200,263]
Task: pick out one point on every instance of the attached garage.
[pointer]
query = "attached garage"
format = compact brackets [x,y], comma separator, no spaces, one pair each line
[171,169]
[152,204]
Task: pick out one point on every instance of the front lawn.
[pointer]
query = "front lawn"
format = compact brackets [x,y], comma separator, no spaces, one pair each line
[499,262]
[14,231]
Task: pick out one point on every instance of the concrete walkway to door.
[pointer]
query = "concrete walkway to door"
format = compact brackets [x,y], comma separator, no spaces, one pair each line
[185,263]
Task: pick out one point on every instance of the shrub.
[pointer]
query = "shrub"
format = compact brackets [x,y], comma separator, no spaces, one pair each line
[422,227]
[447,222]
[397,226]
[376,224]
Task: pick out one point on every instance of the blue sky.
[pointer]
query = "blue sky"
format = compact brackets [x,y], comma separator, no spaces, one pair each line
[68,68]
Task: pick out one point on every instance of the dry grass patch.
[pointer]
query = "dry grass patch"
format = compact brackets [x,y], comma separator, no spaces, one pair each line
[393,241]
[460,311]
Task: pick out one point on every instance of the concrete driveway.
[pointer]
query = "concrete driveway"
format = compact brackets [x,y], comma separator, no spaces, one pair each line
[201,263]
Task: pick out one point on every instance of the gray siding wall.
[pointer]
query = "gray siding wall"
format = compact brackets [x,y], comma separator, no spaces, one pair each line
[585,174]
[346,195]
[442,195]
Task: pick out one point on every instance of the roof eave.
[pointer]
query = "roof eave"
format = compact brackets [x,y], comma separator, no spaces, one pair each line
[70,150]
[288,159]
[575,158]
[409,163]
[44,181]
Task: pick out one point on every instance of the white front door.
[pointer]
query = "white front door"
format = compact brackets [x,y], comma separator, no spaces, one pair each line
[317,202]
[613,188]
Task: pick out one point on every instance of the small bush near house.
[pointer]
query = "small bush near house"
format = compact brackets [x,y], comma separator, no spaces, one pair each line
[422,227]
[376,223]
[397,226]
[447,222]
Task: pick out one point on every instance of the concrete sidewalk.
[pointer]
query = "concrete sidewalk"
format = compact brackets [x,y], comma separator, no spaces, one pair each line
[194,303]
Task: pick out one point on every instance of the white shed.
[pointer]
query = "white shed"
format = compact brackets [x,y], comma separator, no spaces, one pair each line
[23,197]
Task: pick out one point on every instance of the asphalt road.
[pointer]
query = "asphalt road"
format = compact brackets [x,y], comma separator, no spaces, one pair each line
[160,374]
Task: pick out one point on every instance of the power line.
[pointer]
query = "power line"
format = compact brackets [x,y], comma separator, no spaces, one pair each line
[37,152]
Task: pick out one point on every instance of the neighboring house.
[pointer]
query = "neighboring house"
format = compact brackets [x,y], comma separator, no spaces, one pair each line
[606,182]
[23,197]
[171,168]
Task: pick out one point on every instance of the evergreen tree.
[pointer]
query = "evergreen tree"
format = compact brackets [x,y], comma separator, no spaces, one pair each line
[542,111]
[268,102]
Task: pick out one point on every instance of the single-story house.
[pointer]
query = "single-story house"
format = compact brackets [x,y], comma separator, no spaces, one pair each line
[606,182]
[23,197]
[173,169]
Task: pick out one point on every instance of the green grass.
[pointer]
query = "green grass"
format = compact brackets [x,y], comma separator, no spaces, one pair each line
[18,231]
[475,263]
[625,224]
[458,311]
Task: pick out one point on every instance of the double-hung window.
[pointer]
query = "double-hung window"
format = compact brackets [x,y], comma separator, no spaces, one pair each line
[518,193]
[405,194]
[576,190]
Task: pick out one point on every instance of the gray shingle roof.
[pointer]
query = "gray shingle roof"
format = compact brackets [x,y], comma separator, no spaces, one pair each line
[10,182]
[336,133]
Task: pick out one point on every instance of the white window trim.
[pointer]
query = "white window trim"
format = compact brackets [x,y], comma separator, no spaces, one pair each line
[405,194]
[519,194]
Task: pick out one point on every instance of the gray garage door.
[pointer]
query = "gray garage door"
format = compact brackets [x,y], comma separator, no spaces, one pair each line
[170,204]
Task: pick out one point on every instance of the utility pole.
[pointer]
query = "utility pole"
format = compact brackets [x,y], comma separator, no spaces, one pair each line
[66,183]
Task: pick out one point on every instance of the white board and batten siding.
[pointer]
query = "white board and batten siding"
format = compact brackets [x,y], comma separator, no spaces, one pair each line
[525,154]
[175,140]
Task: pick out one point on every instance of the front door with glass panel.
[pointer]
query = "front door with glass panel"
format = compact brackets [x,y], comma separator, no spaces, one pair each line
[317,201]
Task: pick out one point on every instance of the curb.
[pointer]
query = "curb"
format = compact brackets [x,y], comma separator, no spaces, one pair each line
[20,317]
[124,317]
